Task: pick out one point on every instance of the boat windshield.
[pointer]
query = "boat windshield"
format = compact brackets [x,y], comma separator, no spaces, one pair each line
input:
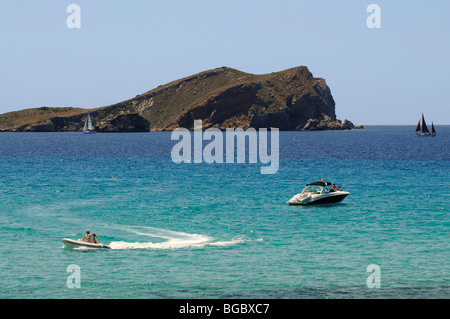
[314,189]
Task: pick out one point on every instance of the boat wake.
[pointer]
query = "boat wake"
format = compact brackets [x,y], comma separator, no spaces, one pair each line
[170,240]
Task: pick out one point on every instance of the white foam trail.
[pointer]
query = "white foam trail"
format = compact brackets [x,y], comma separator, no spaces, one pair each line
[172,240]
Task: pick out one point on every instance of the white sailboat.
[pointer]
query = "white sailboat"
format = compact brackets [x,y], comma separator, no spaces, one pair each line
[88,127]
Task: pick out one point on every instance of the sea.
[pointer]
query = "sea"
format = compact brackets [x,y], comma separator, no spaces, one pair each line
[224,230]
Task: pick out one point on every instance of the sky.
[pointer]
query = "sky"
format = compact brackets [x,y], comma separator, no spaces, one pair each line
[386,75]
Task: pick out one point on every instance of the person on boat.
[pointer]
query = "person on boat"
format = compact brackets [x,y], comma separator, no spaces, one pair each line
[88,237]
[94,238]
[339,188]
[333,188]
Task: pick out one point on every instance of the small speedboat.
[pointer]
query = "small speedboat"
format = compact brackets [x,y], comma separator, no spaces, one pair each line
[318,193]
[70,243]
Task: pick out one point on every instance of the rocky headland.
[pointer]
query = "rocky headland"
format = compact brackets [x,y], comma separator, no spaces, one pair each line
[290,100]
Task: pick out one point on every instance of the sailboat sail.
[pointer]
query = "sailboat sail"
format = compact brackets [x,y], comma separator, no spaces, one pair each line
[418,127]
[85,126]
[88,127]
[433,131]
[424,126]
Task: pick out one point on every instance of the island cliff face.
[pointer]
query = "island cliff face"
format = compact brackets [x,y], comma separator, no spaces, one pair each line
[223,98]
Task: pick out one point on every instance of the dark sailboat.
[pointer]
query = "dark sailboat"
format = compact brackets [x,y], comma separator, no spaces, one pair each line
[425,131]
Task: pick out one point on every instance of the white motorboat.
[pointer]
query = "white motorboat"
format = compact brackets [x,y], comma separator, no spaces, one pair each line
[70,243]
[318,193]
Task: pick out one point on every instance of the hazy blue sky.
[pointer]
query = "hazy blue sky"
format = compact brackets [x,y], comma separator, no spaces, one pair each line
[388,75]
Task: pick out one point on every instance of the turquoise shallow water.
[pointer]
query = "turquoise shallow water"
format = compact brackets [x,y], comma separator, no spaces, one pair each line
[225,230]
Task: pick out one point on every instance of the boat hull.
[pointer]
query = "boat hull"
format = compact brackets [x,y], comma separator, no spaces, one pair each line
[70,243]
[321,200]
[328,200]
[426,134]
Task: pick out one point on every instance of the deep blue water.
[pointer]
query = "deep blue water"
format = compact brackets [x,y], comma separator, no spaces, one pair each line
[225,230]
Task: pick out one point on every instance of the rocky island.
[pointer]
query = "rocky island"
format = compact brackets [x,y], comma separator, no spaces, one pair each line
[290,100]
